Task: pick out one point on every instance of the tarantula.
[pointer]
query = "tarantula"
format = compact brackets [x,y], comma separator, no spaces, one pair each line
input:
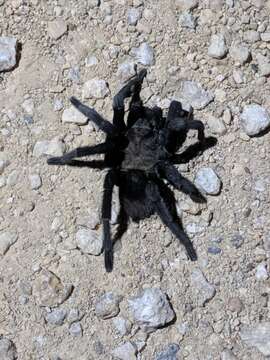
[139,153]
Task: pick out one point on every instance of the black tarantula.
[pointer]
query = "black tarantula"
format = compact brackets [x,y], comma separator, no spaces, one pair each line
[139,153]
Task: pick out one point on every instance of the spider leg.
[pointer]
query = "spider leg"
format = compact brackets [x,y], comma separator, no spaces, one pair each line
[132,87]
[169,172]
[80,152]
[109,182]
[94,164]
[92,114]
[168,219]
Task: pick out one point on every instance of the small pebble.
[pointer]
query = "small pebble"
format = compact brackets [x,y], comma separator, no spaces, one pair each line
[72,115]
[35,181]
[237,240]
[13,178]
[207,180]
[251,36]
[74,74]
[184,5]
[192,93]
[75,329]
[261,272]
[217,48]
[107,306]
[144,54]
[214,250]
[133,16]
[95,89]
[89,241]
[56,317]
[203,290]
[216,125]
[90,61]
[187,20]
[8,349]
[58,105]
[169,353]
[8,53]
[56,29]
[7,239]
[240,53]
[126,351]
[257,335]
[122,326]
[235,305]
[254,119]
[126,71]
[4,162]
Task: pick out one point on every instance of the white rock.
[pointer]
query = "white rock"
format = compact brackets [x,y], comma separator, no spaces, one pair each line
[107,305]
[89,241]
[187,20]
[56,28]
[125,71]
[258,336]
[95,89]
[265,36]
[217,48]
[238,76]
[261,272]
[251,36]
[41,148]
[8,48]
[207,181]
[240,53]
[151,309]
[7,239]
[204,291]
[126,351]
[72,115]
[122,326]
[133,16]
[216,125]
[13,178]
[192,93]
[186,4]
[28,106]
[91,60]
[254,119]
[7,349]
[75,329]
[35,181]
[56,147]
[144,54]
[56,317]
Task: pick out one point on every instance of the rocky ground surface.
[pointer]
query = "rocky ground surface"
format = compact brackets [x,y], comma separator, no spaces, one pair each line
[56,301]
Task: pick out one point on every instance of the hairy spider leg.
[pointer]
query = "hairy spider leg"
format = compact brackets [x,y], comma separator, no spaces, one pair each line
[80,152]
[109,182]
[167,218]
[169,172]
[93,164]
[94,116]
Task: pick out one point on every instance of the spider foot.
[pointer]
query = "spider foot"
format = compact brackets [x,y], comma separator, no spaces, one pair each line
[56,161]
[191,253]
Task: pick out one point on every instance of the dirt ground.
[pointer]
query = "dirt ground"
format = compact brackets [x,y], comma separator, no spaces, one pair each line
[64,44]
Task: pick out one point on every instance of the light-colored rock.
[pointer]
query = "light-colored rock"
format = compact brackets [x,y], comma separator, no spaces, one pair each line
[227,354]
[257,335]
[183,5]
[13,178]
[261,272]
[192,93]
[254,119]
[207,181]
[151,309]
[91,60]
[107,306]
[28,106]
[72,115]
[126,71]
[251,36]
[4,162]
[35,181]
[89,241]
[265,36]
[133,15]
[95,89]
[75,329]
[126,351]
[238,76]
[122,326]
[49,290]
[216,125]
[56,317]
[217,48]
[56,29]
[170,353]
[204,291]
[187,20]
[144,54]
[7,349]
[7,239]
[8,52]
[240,53]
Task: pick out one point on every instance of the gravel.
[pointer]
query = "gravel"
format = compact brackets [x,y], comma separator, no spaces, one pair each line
[95,89]
[187,20]
[126,351]
[216,125]
[261,272]
[75,329]
[217,48]
[133,16]
[49,290]
[125,71]
[72,115]
[203,290]
[254,119]
[144,54]
[151,309]
[207,180]
[56,317]
[122,326]
[192,93]
[35,181]
[7,239]
[240,53]
[169,353]
[4,162]
[257,335]
[7,349]
[8,53]
[107,306]
[56,29]
[89,241]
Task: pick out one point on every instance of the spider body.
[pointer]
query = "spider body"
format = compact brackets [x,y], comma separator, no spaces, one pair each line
[139,153]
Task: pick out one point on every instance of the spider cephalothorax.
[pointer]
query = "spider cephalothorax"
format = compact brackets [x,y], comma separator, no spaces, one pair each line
[139,152]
